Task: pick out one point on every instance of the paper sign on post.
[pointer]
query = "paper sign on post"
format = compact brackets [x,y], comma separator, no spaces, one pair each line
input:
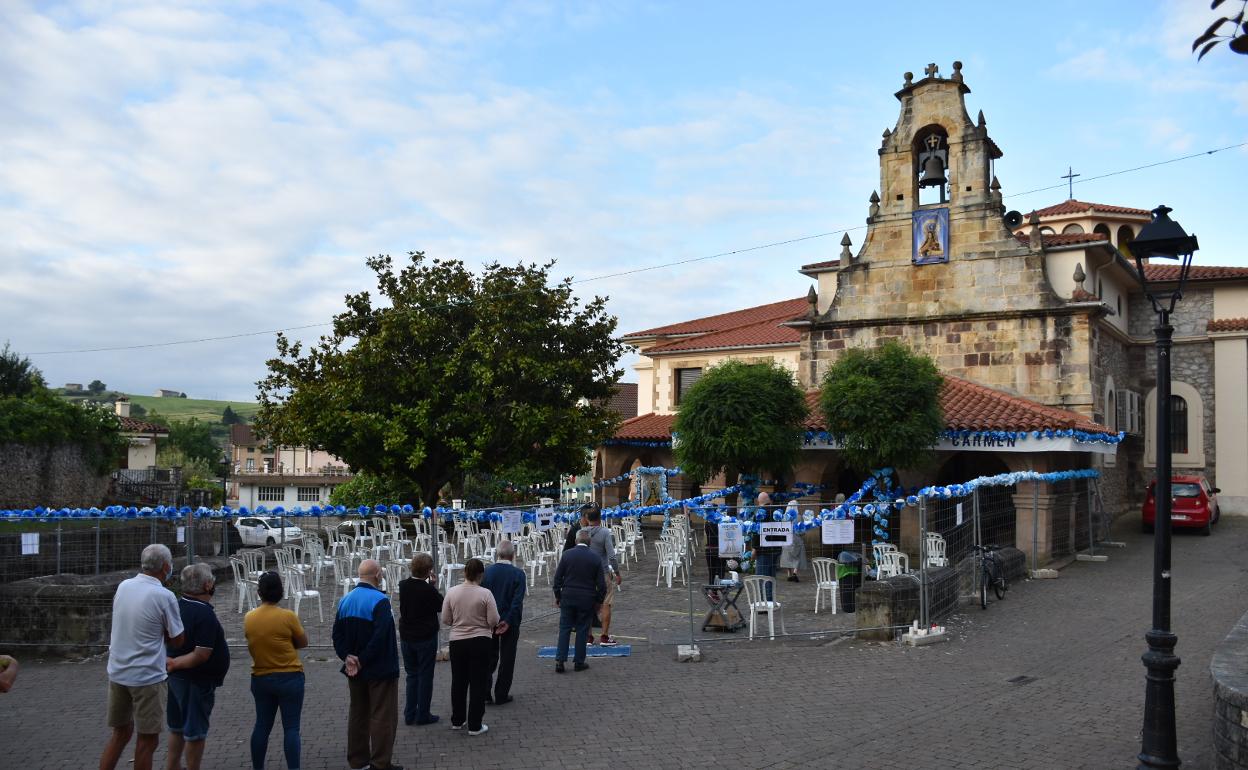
[513,522]
[775,533]
[731,540]
[30,543]
[959,515]
[545,518]
[838,531]
[181,534]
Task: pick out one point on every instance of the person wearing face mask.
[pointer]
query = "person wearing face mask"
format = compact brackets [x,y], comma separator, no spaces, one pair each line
[196,669]
[145,618]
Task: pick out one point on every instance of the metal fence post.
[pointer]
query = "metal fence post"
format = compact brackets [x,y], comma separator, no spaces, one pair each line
[689,569]
[922,562]
[1091,523]
[979,541]
[58,547]
[97,546]
[190,537]
[1035,524]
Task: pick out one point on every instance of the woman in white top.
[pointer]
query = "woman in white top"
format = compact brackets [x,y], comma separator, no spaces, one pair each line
[471,614]
[793,557]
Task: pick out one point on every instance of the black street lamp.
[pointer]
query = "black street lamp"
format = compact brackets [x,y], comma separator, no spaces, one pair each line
[1162,238]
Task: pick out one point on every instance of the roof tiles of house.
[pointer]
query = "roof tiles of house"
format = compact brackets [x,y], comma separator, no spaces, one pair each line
[966,405]
[135,425]
[1066,239]
[775,311]
[1229,325]
[242,435]
[1158,272]
[624,401]
[1081,207]
[764,333]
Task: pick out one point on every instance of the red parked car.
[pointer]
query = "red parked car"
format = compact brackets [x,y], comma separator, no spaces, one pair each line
[1193,504]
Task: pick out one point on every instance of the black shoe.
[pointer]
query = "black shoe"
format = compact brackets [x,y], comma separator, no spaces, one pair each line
[793,579]
[559,669]
[432,719]
[409,722]
[503,701]
[489,700]
[581,667]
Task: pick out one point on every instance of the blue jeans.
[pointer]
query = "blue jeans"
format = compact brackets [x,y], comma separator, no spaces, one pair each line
[765,564]
[418,660]
[189,707]
[271,692]
[574,615]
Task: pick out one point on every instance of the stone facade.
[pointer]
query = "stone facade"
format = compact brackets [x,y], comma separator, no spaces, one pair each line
[58,476]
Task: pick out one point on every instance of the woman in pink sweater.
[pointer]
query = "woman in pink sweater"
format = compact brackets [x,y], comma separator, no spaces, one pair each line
[471,614]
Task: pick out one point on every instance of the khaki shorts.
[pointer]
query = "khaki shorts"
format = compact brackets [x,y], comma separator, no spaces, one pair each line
[609,599]
[143,706]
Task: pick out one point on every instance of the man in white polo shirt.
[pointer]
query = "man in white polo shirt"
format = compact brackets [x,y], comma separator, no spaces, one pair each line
[145,617]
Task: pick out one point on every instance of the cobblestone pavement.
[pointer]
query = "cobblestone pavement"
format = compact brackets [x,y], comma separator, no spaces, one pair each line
[804,701]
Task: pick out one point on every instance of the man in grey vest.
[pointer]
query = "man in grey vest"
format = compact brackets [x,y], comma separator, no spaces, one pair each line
[602,543]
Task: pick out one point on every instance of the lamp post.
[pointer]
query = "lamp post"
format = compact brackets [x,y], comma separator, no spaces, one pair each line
[1162,238]
[225,496]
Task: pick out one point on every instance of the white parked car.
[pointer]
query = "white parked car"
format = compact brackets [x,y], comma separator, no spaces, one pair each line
[266,530]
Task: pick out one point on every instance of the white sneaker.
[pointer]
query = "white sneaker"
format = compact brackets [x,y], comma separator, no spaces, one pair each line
[484,729]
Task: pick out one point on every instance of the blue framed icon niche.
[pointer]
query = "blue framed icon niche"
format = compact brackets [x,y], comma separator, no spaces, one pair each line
[930,237]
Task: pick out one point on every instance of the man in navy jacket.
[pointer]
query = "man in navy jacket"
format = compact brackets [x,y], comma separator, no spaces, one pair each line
[579,589]
[507,582]
[365,639]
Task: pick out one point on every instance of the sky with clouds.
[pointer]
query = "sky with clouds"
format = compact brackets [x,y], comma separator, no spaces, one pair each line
[175,171]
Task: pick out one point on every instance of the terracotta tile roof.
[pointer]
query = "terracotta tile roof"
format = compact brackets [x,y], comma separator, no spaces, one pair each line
[1065,239]
[1161,272]
[242,435]
[135,425]
[1229,325]
[647,427]
[764,333]
[821,265]
[966,405]
[1080,207]
[624,401]
[776,311]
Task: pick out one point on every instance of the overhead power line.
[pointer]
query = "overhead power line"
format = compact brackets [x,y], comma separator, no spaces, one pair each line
[622,273]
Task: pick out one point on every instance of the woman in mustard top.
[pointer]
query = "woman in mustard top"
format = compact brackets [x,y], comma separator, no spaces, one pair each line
[273,635]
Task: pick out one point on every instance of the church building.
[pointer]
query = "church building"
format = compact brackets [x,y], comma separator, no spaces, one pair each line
[1036,321]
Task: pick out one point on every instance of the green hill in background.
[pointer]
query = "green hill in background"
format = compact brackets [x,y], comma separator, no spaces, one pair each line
[206,410]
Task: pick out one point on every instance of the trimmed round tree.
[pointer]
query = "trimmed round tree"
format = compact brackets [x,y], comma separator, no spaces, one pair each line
[740,418]
[883,407]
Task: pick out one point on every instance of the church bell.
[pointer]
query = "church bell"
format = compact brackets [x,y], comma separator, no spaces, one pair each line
[933,172]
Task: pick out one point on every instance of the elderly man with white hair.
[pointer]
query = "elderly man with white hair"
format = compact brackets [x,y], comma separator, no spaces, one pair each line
[197,668]
[507,582]
[145,618]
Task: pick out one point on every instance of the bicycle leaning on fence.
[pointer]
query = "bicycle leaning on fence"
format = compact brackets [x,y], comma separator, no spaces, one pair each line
[990,574]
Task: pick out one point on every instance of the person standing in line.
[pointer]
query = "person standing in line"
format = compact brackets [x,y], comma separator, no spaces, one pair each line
[793,556]
[602,543]
[273,635]
[569,540]
[365,640]
[472,615]
[419,607]
[579,587]
[145,618]
[508,583]
[765,556]
[8,672]
[196,668]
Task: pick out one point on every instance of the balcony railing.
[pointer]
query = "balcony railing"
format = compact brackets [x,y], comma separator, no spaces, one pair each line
[282,470]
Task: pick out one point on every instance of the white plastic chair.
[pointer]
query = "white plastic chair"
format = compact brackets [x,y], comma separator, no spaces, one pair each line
[892,563]
[344,575]
[825,580]
[246,587]
[755,592]
[935,547]
[670,563]
[297,590]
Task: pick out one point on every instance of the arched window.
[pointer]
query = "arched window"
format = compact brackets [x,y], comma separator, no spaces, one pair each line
[1178,425]
[1186,416]
[1111,408]
[1046,230]
[1072,229]
[1102,229]
[1125,236]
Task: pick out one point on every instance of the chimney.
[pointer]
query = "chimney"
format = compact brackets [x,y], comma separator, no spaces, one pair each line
[122,407]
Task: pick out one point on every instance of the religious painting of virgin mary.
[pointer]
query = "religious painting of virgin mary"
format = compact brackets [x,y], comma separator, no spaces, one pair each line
[930,236]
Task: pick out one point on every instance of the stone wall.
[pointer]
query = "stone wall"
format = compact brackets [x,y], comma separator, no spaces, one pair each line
[1229,670]
[1122,480]
[55,477]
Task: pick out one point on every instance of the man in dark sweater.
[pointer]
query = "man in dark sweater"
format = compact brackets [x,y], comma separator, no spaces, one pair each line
[579,587]
[569,540]
[419,607]
[365,639]
[508,583]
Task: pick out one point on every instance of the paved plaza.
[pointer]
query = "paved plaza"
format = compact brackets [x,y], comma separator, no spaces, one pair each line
[803,701]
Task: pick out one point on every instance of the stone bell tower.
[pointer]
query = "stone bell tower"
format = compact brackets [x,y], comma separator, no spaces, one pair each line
[940,269]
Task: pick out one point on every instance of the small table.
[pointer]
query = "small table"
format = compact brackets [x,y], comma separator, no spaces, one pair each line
[723,600]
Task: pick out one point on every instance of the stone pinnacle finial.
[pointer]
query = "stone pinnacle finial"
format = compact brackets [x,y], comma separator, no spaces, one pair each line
[1079,274]
[1033,237]
[995,187]
[957,72]
[812,297]
[874,211]
[846,255]
[909,76]
[931,70]
[982,123]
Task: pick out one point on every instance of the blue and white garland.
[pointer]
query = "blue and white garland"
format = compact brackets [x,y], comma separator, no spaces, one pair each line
[625,476]
[991,437]
[636,443]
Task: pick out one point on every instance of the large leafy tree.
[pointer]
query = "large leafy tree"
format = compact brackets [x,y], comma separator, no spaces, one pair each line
[740,418]
[883,406]
[191,439]
[18,376]
[453,373]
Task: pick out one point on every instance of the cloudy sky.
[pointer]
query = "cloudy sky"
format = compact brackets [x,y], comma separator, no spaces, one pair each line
[178,171]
